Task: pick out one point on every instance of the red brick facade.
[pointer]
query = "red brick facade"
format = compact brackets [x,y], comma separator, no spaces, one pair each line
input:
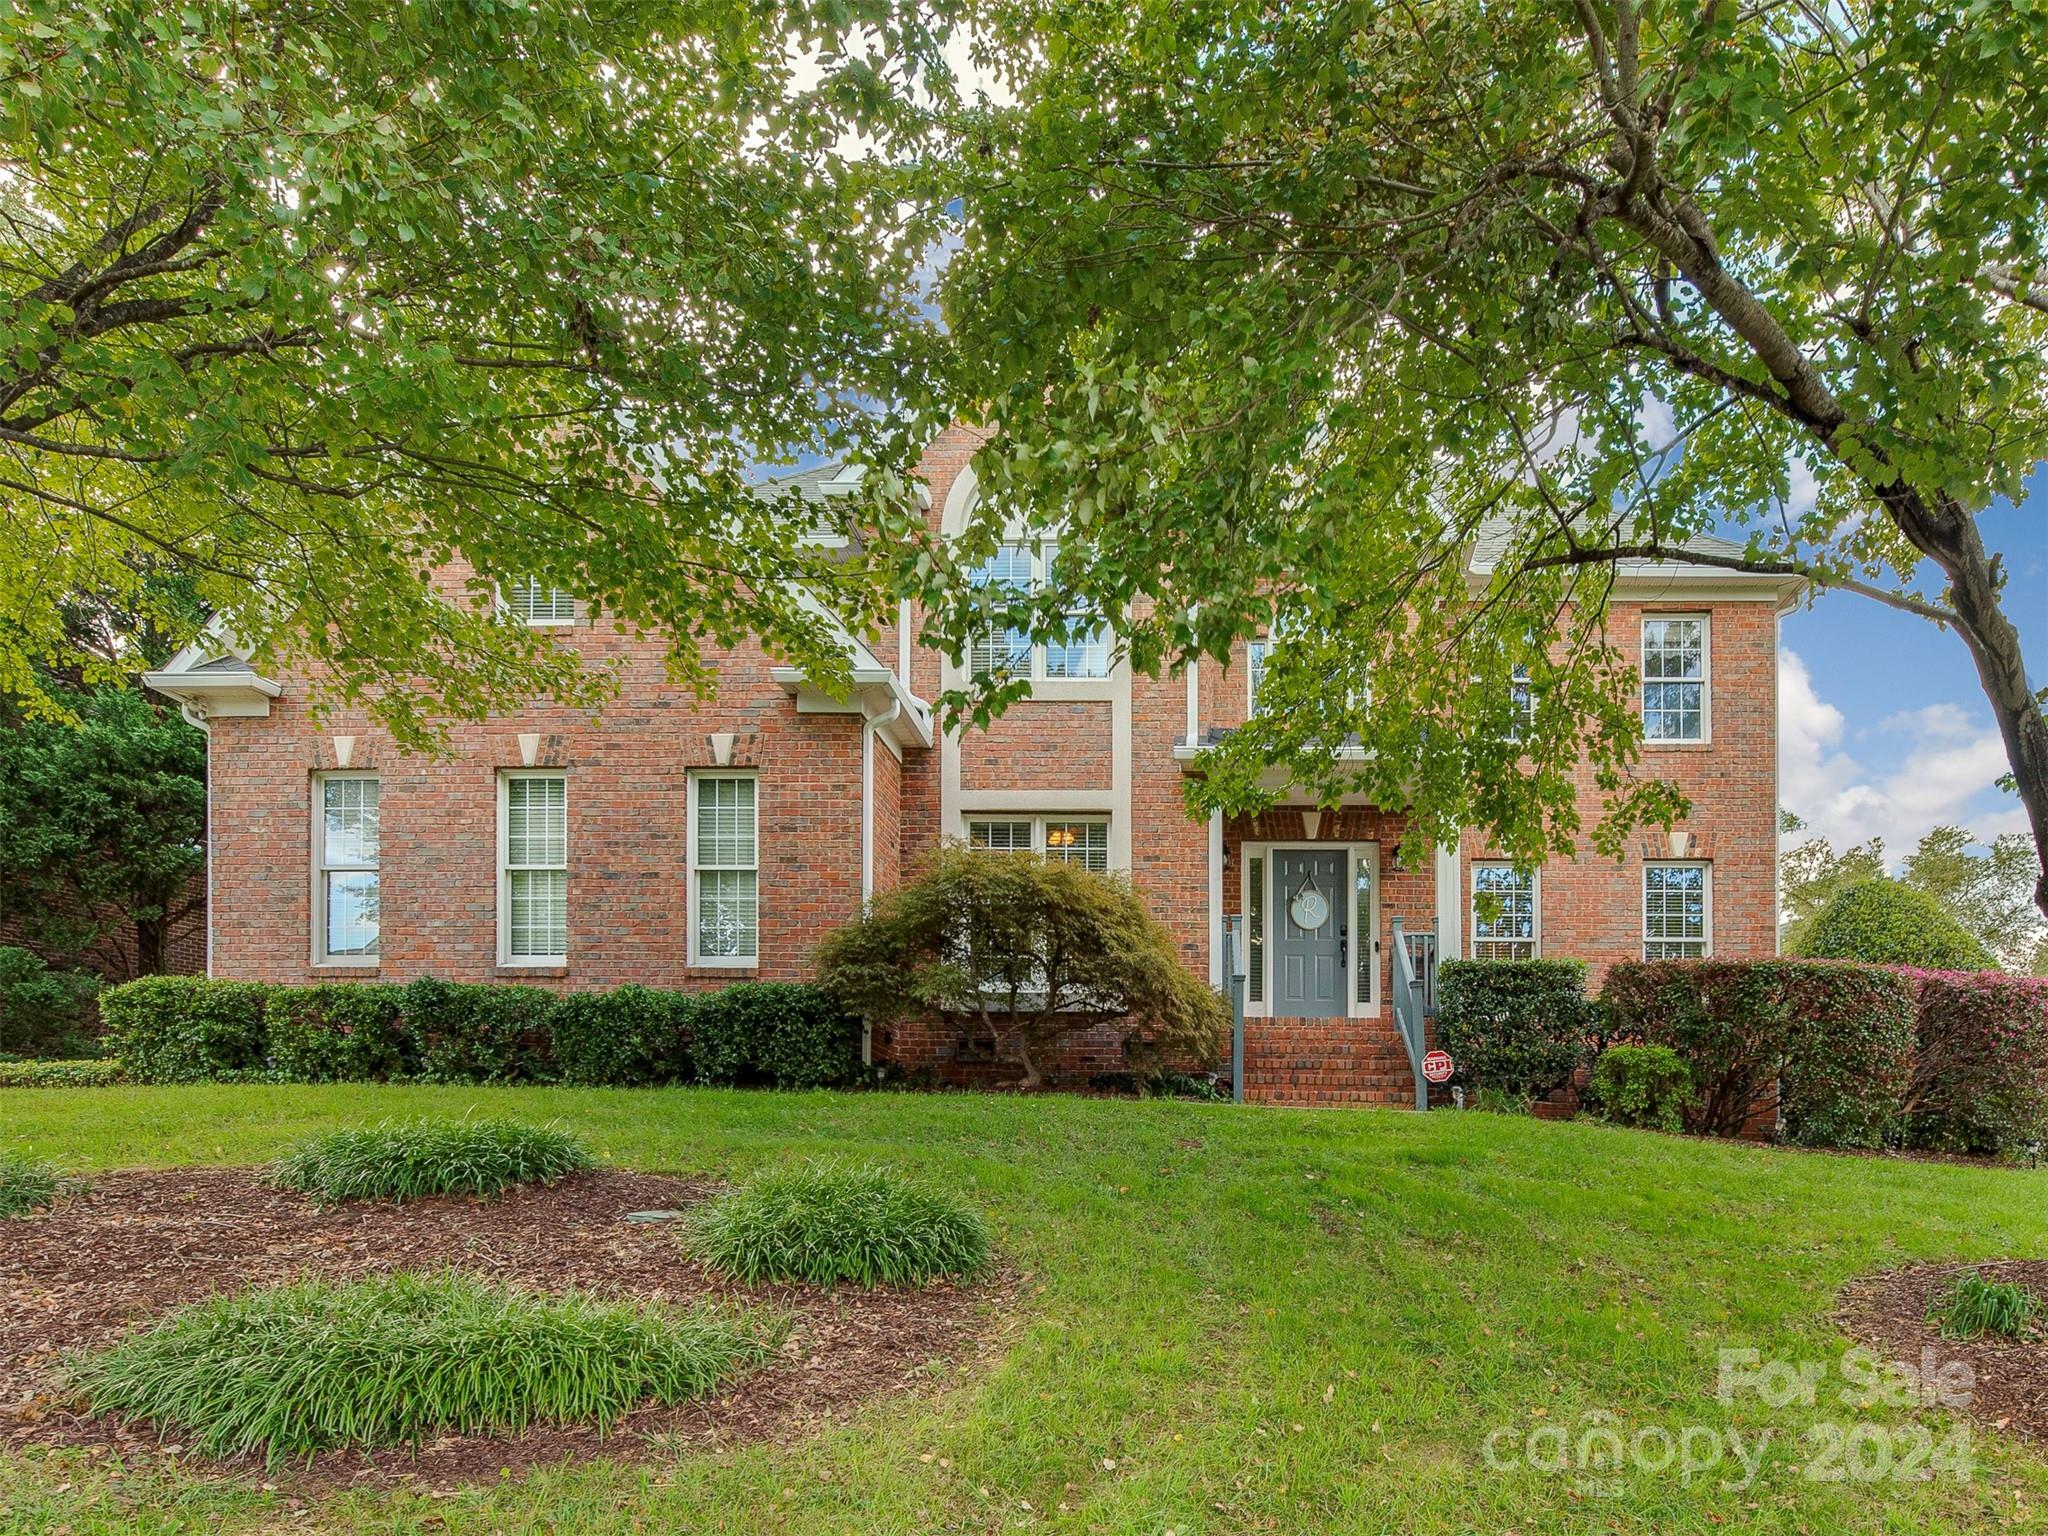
[844,809]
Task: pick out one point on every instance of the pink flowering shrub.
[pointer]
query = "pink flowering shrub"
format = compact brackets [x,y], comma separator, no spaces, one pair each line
[1980,1068]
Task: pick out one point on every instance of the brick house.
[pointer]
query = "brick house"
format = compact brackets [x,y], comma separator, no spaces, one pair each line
[689,845]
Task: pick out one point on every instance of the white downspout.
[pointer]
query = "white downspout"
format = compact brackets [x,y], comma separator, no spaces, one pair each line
[869,724]
[197,717]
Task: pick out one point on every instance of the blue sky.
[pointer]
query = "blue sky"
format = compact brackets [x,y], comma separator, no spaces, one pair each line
[1883,730]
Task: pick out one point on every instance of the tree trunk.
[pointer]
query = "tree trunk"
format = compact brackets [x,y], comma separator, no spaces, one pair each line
[1954,543]
[1941,530]
[149,946]
[1033,1079]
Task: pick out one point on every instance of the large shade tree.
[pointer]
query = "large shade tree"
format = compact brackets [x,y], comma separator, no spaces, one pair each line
[309,299]
[1276,308]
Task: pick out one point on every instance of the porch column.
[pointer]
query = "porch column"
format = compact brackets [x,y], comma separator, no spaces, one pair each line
[1450,904]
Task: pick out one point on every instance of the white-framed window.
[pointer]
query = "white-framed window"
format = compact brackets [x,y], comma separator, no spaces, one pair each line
[1082,840]
[725,869]
[1017,568]
[1675,680]
[1521,703]
[346,893]
[1255,654]
[533,867]
[538,606]
[1511,934]
[1678,911]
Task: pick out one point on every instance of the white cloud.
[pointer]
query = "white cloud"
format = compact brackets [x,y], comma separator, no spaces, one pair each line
[1946,760]
[1804,489]
[1655,421]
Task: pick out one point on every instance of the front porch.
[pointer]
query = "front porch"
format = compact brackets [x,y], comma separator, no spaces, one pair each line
[1316,898]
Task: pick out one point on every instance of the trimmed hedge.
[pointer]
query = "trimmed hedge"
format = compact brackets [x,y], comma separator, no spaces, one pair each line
[479,1033]
[1832,1040]
[1980,1069]
[622,1039]
[174,1029]
[1885,922]
[339,1032]
[782,1034]
[186,1029]
[1518,1027]
[70,1072]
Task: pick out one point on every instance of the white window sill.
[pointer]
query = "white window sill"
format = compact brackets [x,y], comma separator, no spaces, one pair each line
[347,962]
[1074,689]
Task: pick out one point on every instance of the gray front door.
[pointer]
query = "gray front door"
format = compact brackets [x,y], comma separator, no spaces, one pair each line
[1311,935]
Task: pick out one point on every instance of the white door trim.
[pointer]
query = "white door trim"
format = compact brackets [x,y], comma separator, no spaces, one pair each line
[1356,1007]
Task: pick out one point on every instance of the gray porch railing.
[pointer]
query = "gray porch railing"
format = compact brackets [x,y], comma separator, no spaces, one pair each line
[1409,1012]
[1233,981]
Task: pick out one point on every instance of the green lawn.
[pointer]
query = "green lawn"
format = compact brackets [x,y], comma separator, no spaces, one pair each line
[1236,1320]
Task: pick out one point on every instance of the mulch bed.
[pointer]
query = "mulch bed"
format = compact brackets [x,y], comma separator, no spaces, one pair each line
[141,1243]
[1888,1312]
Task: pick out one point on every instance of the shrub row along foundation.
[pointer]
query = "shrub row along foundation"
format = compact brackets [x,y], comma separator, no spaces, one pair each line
[180,1029]
[1826,1053]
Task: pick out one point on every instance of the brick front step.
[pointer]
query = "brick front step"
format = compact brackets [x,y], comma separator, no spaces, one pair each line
[1326,1062]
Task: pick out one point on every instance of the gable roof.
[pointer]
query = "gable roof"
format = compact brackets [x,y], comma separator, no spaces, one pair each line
[212,677]
[1652,578]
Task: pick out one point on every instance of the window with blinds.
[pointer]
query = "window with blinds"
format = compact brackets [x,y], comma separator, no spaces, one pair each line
[1014,571]
[1675,679]
[1678,914]
[532,603]
[1509,895]
[725,869]
[1082,840]
[533,920]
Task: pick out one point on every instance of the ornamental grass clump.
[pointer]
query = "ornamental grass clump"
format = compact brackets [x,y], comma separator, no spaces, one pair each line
[27,1184]
[406,1160]
[1974,1306]
[826,1223]
[291,1370]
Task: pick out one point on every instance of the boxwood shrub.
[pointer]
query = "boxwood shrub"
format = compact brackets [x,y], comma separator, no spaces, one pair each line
[1980,1067]
[186,1029]
[68,1072]
[479,1033]
[624,1038]
[340,1032]
[1646,1086]
[1831,1040]
[783,1034]
[1514,1027]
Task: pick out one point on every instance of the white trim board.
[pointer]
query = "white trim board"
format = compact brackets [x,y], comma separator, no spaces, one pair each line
[1355,1006]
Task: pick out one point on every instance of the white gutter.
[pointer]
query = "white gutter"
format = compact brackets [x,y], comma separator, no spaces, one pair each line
[869,724]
